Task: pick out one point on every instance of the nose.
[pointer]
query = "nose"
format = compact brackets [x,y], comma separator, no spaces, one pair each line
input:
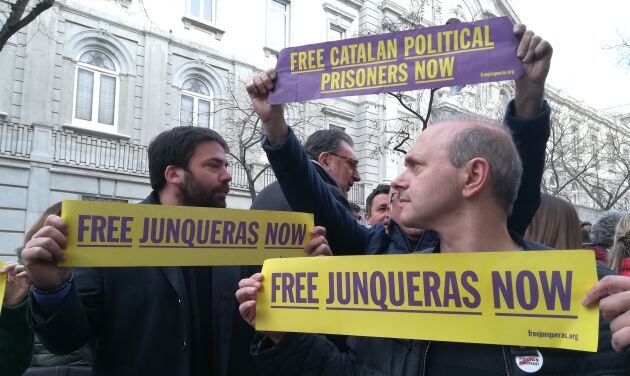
[355,176]
[226,177]
[400,183]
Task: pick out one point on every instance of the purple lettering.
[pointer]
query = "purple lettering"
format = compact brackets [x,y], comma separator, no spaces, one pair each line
[98,228]
[241,233]
[253,233]
[340,288]
[284,233]
[468,274]
[215,232]
[556,288]
[203,231]
[331,288]
[157,235]
[111,228]
[272,234]
[274,285]
[312,287]
[287,288]
[82,226]
[399,299]
[228,232]
[125,228]
[451,289]
[378,291]
[299,287]
[412,288]
[172,230]
[298,233]
[360,287]
[431,288]
[533,290]
[503,288]
[188,232]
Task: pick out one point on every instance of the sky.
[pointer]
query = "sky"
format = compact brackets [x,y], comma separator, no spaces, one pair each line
[579,32]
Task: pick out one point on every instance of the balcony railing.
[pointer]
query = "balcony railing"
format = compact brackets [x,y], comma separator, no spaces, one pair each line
[100,153]
[239,177]
[357,194]
[16,139]
[112,155]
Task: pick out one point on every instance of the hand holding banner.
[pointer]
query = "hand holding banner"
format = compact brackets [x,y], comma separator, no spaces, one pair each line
[523,298]
[113,234]
[449,55]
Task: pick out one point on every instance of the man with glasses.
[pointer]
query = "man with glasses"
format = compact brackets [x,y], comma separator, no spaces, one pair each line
[331,152]
[527,118]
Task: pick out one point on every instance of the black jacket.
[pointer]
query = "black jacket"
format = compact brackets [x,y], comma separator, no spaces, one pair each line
[310,354]
[139,322]
[272,197]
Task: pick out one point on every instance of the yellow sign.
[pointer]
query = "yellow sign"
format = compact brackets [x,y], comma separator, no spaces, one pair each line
[523,298]
[114,234]
[3,285]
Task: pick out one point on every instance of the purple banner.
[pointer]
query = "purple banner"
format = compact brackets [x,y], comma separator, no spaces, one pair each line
[449,55]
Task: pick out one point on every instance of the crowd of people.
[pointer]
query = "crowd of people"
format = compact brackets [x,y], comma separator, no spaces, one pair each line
[470,184]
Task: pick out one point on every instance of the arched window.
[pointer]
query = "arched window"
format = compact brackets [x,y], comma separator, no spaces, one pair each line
[96,90]
[196,104]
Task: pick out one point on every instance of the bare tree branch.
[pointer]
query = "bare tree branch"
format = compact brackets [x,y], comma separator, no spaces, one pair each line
[15,22]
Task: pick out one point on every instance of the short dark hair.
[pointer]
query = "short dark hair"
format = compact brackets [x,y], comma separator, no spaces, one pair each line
[175,147]
[325,141]
[354,207]
[379,190]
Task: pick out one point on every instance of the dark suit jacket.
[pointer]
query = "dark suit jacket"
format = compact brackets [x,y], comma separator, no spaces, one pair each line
[139,320]
[272,196]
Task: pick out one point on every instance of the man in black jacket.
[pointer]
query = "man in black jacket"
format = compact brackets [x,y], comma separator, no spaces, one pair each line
[460,181]
[463,202]
[155,320]
[332,155]
[150,320]
[527,117]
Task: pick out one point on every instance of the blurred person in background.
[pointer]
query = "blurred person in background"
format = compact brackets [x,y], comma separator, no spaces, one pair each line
[620,251]
[585,227]
[603,235]
[555,224]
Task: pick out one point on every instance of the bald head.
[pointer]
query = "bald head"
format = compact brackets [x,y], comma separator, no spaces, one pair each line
[453,164]
[471,139]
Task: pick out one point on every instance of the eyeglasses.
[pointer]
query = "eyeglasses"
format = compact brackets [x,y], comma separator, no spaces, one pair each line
[393,196]
[351,161]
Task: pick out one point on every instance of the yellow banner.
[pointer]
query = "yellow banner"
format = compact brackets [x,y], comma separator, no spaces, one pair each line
[114,234]
[3,285]
[524,298]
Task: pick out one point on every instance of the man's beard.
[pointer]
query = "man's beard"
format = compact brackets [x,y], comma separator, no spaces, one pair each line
[193,193]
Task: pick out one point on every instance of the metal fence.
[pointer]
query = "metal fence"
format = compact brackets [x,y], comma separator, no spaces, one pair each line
[16,139]
[239,177]
[357,194]
[116,155]
[98,152]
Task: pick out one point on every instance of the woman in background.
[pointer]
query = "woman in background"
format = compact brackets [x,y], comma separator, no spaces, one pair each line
[556,224]
[620,252]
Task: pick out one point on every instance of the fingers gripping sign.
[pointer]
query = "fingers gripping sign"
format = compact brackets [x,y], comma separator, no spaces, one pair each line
[16,284]
[44,251]
[318,246]
[613,295]
[272,116]
[248,288]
